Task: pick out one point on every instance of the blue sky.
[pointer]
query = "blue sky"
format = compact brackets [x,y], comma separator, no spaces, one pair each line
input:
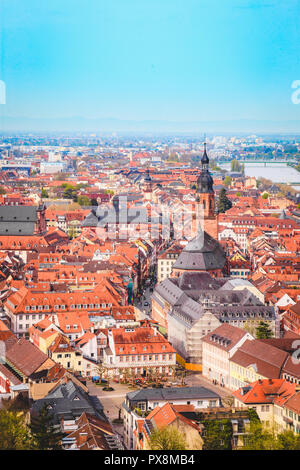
[176,60]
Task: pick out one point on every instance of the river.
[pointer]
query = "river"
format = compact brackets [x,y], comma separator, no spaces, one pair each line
[276,172]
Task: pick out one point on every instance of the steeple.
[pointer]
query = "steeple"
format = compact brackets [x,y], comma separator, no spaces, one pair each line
[148,185]
[205,181]
[148,177]
[204,159]
[206,197]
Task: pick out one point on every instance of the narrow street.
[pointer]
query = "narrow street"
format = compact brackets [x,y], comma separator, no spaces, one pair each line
[144,299]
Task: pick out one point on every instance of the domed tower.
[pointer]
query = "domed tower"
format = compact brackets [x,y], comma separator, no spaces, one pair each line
[206,197]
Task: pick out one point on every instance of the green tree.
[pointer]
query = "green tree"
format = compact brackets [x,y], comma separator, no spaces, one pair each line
[44,434]
[94,202]
[260,438]
[237,166]
[70,193]
[84,201]
[263,331]
[14,434]
[265,196]
[168,438]
[227,180]
[224,203]
[44,193]
[217,434]
[287,440]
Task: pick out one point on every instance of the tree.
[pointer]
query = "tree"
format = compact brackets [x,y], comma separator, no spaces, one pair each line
[265,196]
[217,434]
[44,193]
[287,440]
[2,190]
[263,331]
[94,202]
[109,191]
[227,180]
[100,370]
[168,438]
[14,434]
[44,434]
[237,166]
[224,203]
[260,438]
[70,193]
[83,201]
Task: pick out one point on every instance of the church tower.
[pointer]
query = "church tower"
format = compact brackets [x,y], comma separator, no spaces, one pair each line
[206,198]
[148,186]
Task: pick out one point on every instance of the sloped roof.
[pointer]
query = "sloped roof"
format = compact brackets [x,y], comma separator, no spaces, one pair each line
[268,360]
[225,336]
[25,357]
[266,391]
[172,394]
[202,253]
